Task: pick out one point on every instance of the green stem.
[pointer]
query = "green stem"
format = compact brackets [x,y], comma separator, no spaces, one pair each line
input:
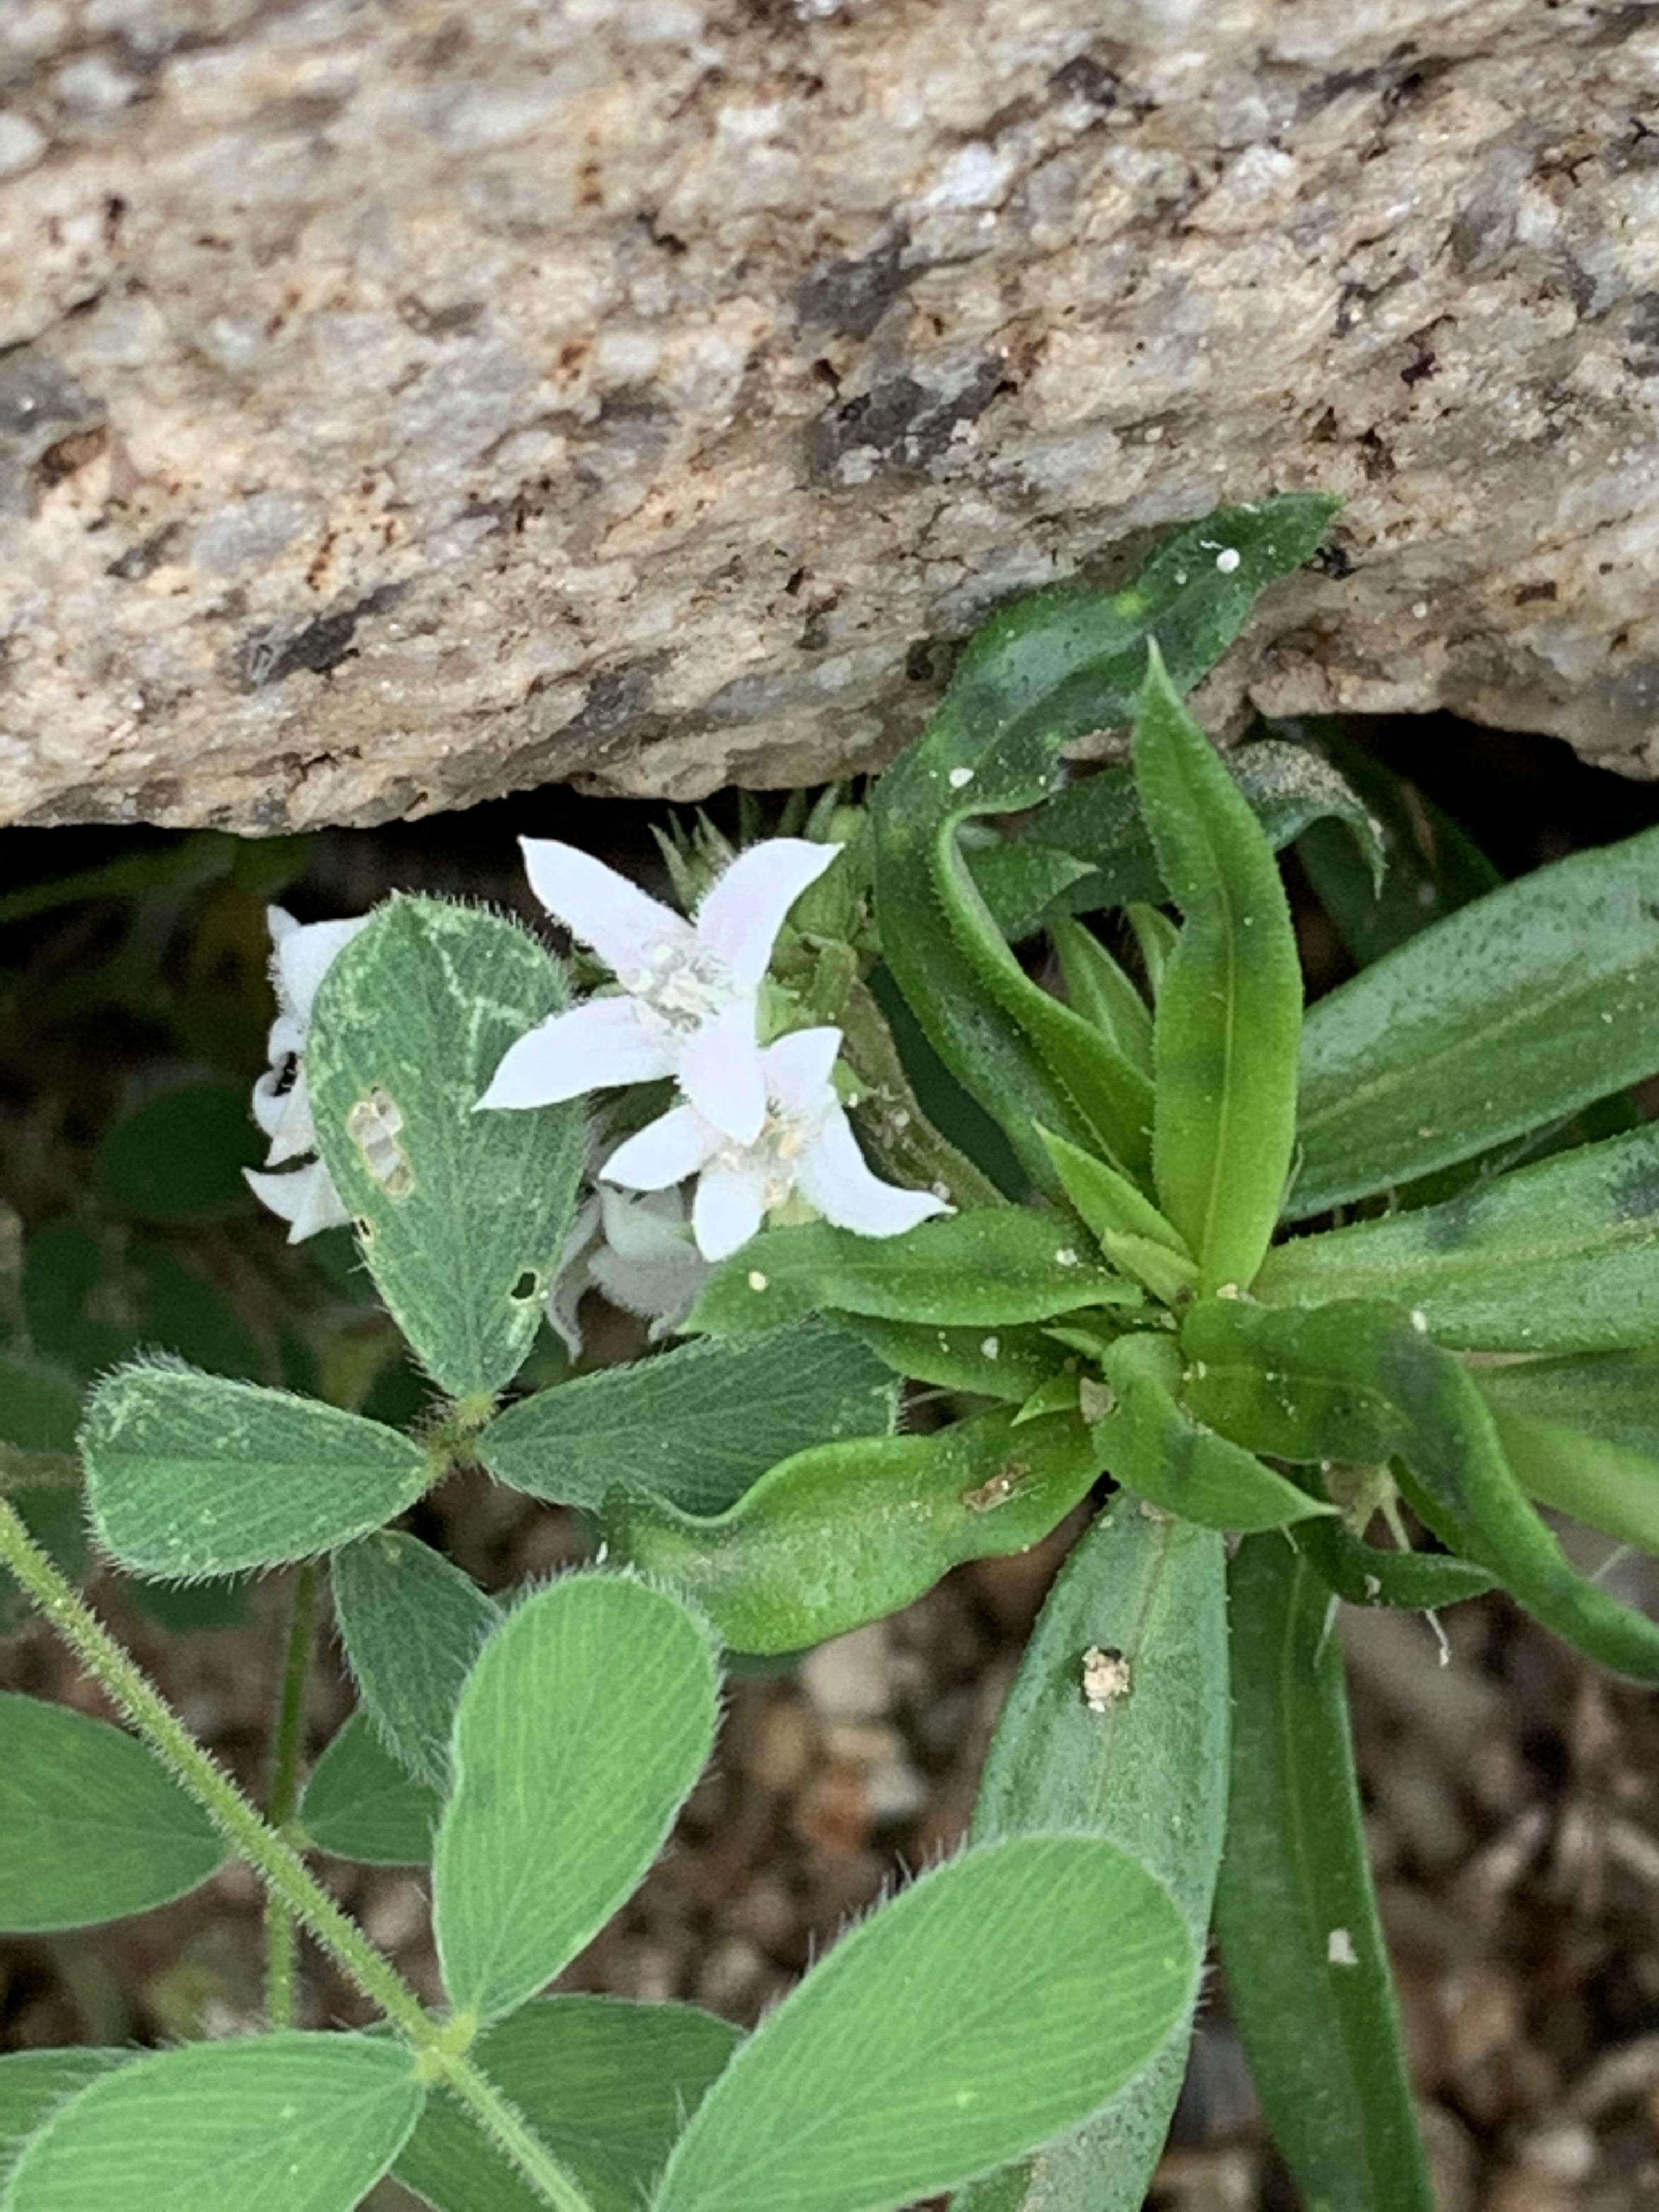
[282,1931]
[909,1146]
[279,1865]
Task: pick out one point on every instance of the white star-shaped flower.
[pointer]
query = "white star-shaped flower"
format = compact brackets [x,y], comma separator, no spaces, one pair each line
[804,1148]
[302,953]
[688,1004]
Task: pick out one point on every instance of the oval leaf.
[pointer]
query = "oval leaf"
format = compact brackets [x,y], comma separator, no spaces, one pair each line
[188,1475]
[697,1425]
[1514,1011]
[1563,1257]
[462,1216]
[607,2085]
[1229,1018]
[1306,1964]
[585,1723]
[1145,1765]
[33,2083]
[360,1804]
[846,1533]
[92,1828]
[180,1156]
[269,2123]
[999,2000]
[412,1624]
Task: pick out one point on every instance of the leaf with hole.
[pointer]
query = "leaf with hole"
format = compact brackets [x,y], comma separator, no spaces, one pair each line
[190,1474]
[91,1827]
[589,1715]
[462,1216]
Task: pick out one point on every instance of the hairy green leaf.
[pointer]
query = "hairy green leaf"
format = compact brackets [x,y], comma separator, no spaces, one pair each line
[697,1425]
[179,1156]
[1365,1574]
[1229,1014]
[606,2086]
[1562,1256]
[1306,1964]
[1102,994]
[1129,1228]
[33,2083]
[1001,1363]
[1521,1007]
[412,1624]
[587,1718]
[846,1533]
[286,2123]
[191,1474]
[1144,1767]
[92,1828]
[462,1216]
[360,1804]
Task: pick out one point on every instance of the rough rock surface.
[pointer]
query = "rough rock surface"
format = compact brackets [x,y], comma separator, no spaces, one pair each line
[402,405]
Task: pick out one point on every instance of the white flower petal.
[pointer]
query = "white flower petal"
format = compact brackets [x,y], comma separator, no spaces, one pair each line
[647,1264]
[304,956]
[833,1173]
[305,1197]
[727,1210]
[797,1072]
[622,924]
[572,1277]
[285,1119]
[287,1040]
[675,1145]
[721,1071]
[739,920]
[591,1047]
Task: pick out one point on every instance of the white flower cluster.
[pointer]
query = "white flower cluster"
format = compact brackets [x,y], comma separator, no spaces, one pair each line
[760,1127]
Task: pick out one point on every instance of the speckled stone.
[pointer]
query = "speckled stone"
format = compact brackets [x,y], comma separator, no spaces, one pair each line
[402,406]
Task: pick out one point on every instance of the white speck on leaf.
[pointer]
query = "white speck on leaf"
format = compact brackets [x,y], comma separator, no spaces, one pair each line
[1105,1678]
[756,1280]
[1228,559]
[1339,1948]
[960,777]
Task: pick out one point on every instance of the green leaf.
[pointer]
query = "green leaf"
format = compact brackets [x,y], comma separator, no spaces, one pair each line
[1003,1363]
[1521,1007]
[180,1156]
[360,1804]
[1364,1574]
[1052,668]
[1102,994]
[1563,1257]
[1148,1772]
[1129,1228]
[1022,883]
[92,1828]
[33,2083]
[1360,1382]
[92,1300]
[40,1413]
[1306,1964]
[412,1624]
[697,1425]
[1152,1446]
[462,1216]
[1230,1007]
[286,2122]
[188,1475]
[1583,1435]
[996,1265]
[846,1533]
[585,1723]
[1156,939]
[997,2000]
[606,2086]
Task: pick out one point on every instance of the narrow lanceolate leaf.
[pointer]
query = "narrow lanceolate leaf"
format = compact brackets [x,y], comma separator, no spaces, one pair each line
[1366,1574]
[585,1723]
[1046,670]
[92,1828]
[1307,1969]
[697,1425]
[1129,1228]
[847,1532]
[191,1474]
[33,2083]
[1151,1445]
[607,2085]
[1563,1257]
[267,2122]
[1116,1726]
[999,2000]
[1230,1007]
[360,1804]
[997,1265]
[412,1624]
[1102,994]
[462,1216]
[1361,1382]
[1583,1435]
[1516,1010]
[1000,1363]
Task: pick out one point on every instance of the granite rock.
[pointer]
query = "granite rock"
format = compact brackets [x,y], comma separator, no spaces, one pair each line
[402,405]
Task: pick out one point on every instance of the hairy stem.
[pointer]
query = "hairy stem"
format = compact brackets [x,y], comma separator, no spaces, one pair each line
[279,1865]
[282,1930]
